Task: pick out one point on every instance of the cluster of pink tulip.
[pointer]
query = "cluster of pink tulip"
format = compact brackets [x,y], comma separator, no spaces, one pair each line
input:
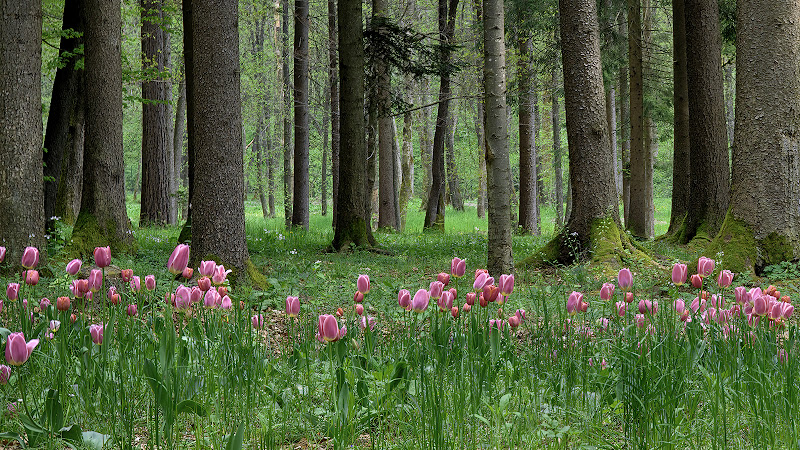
[209,289]
[484,291]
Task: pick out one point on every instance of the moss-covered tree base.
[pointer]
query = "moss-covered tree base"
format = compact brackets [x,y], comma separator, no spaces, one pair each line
[740,251]
[354,234]
[88,233]
[607,246]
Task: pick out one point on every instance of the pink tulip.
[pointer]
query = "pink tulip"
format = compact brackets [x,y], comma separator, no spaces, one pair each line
[480,281]
[136,283]
[521,314]
[74,266]
[625,279]
[490,293]
[113,296]
[12,291]
[126,275]
[97,333]
[150,282]
[328,328]
[496,324]
[363,284]
[641,320]
[30,257]
[629,297]
[741,295]
[783,356]
[621,307]
[187,273]
[574,303]
[506,284]
[132,310]
[680,306]
[679,272]
[787,310]
[513,321]
[404,299]
[697,281]
[725,278]
[648,307]
[62,303]
[457,267]
[204,283]
[179,259]
[17,350]
[207,268]
[607,291]
[220,274]
[95,280]
[292,306]
[705,266]
[44,304]
[436,289]
[360,309]
[444,278]
[196,294]
[211,299]
[471,296]
[760,305]
[446,301]
[420,301]
[102,256]
[2,254]
[5,371]
[363,323]
[31,277]
[358,297]
[227,303]
[257,321]
[223,291]
[467,307]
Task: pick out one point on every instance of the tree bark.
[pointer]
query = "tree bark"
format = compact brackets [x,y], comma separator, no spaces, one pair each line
[595,212]
[556,116]
[103,218]
[680,159]
[157,151]
[300,210]
[350,225]
[21,180]
[333,81]
[456,200]
[219,180]
[188,67]
[499,258]
[710,183]
[406,163]
[611,117]
[528,177]
[70,183]
[288,180]
[625,124]
[435,211]
[179,131]
[325,145]
[762,226]
[730,94]
[479,113]
[386,190]
[58,138]
[425,147]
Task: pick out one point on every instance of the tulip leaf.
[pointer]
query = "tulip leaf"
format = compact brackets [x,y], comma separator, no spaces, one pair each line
[95,440]
[4,332]
[482,419]
[504,401]
[72,434]
[14,436]
[32,430]
[235,441]
[191,406]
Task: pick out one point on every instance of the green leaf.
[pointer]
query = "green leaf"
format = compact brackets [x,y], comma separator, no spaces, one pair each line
[504,401]
[72,434]
[14,436]
[95,440]
[235,441]
[53,412]
[32,429]
[482,419]
[192,406]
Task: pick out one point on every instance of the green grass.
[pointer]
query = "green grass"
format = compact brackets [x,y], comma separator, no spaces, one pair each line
[189,379]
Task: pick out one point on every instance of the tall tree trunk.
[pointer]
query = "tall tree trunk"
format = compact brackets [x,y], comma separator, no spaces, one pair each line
[218,129]
[300,210]
[157,151]
[680,160]
[21,180]
[435,212]
[396,175]
[325,145]
[730,94]
[288,182]
[625,124]
[57,138]
[454,186]
[710,183]
[333,82]
[260,163]
[103,218]
[350,225]
[188,67]
[541,198]
[594,200]
[425,146]
[70,183]
[556,116]
[177,148]
[528,197]
[480,111]
[406,163]
[499,258]
[611,117]
[371,188]
[386,189]
[762,226]
[641,158]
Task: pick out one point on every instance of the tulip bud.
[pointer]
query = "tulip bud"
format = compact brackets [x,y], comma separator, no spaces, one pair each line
[467,307]
[204,283]
[179,259]
[95,280]
[471,298]
[136,283]
[126,275]
[339,312]
[292,306]
[12,291]
[227,303]
[363,284]
[625,279]
[436,289]
[97,333]
[30,257]
[358,297]
[457,267]
[679,272]
[5,371]
[257,321]
[44,304]
[705,266]
[102,256]
[2,254]
[404,299]
[629,297]
[444,278]
[62,303]
[506,284]
[223,291]
[31,277]
[360,309]
[420,301]
[74,266]
[17,350]
[187,273]
[73,318]
[513,321]
[697,281]
[621,307]
[725,278]
[132,310]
